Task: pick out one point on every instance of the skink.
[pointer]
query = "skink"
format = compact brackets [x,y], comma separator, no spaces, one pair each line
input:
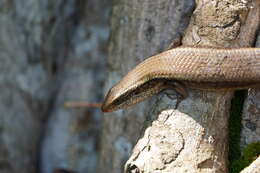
[178,68]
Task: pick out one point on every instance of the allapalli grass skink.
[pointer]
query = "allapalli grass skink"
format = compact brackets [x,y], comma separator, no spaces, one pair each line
[178,68]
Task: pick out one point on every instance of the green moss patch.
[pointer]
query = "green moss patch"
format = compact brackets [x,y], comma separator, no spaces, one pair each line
[235,125]
[250,153]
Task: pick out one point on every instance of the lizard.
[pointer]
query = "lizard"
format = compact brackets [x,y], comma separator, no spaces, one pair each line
[183,67]
[178,68]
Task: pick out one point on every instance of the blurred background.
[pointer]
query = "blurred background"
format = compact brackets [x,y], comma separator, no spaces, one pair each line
[51,52]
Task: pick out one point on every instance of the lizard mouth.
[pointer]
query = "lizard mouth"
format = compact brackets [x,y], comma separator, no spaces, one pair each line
[105,108]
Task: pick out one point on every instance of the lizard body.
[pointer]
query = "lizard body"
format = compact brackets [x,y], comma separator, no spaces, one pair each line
[198,68]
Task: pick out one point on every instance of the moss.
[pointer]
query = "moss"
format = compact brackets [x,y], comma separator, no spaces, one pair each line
[237,160]
[235,125]
[250,153]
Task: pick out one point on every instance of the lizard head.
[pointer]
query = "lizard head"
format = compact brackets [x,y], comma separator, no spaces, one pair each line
[118,100]
[111,102]
[120,97]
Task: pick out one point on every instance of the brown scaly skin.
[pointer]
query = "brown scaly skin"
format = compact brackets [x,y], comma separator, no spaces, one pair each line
[198,68]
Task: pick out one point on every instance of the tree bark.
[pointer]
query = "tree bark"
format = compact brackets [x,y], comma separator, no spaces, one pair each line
[194,137]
